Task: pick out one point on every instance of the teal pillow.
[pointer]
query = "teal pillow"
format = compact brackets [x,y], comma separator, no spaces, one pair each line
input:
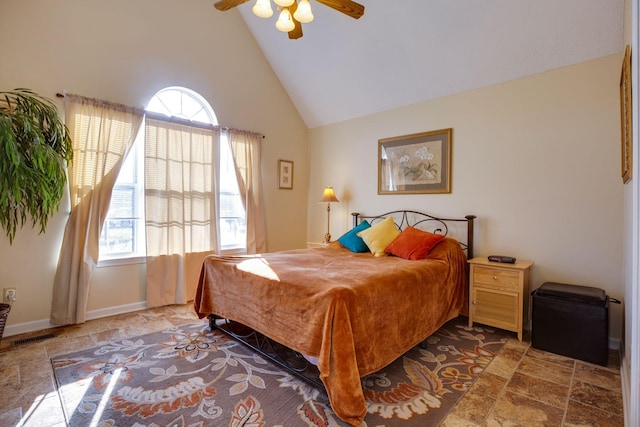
[352,241]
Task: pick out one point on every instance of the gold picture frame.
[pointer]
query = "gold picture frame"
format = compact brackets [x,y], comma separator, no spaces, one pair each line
[285,174]
[415,164]
[626,125]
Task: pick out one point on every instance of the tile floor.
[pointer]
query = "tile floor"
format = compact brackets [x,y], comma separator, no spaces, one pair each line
[522,386]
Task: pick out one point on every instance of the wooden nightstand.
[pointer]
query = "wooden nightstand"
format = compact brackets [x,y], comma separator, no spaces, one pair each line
[499,293]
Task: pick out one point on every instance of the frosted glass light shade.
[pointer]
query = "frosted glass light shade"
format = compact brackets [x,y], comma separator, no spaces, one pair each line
[262,8]
[285,22]
[303,13]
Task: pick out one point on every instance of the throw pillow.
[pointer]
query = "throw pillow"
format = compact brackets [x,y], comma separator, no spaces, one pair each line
[352,241]
[413,244]
[378,236]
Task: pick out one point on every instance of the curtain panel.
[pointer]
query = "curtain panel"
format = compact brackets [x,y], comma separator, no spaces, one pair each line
[102,135]
[181,207]
[246,148]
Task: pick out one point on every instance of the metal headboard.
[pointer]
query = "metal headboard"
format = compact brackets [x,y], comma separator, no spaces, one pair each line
[423,221]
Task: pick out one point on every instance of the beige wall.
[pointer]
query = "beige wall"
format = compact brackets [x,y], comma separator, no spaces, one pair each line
[537,160]
[124,51]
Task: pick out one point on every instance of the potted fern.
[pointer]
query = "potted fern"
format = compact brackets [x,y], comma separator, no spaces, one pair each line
[36,149]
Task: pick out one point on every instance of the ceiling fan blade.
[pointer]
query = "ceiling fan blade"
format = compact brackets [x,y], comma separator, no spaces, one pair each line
[348,7]
[228,4]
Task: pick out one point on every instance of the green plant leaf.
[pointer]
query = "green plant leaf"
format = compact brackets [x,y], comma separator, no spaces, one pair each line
[37,149]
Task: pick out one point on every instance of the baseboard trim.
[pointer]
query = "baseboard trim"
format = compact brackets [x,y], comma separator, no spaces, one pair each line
[626,387]
[112,311]
[614,343]
[39,325]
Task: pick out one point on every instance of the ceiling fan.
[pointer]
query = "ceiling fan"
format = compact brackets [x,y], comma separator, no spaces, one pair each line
[291,19]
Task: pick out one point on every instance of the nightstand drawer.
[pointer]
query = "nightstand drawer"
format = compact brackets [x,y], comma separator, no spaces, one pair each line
[495,277]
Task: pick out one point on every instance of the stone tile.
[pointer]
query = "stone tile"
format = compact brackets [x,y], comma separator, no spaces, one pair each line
[135,329]
[454,420]
[551,357]
[514,410]
[11,417]
[106,336]
[489,384]
[512,352]
[9,376]
[89,327]
[580,415]
[45,410]
[544,391]
[22,354]
[178,320]
[126,320]
[502,366]
[35,370]
[474,406]
[29,393]
[597,375]
[515,343]
[598,397]
[549,371]
[497,421]
[68,345]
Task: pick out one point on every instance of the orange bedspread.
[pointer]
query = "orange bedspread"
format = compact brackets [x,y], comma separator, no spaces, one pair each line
[354,312]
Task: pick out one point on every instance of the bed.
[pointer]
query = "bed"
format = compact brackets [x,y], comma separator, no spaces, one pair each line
[350,313]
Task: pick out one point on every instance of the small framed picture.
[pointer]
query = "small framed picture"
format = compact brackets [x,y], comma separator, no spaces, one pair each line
[285,174]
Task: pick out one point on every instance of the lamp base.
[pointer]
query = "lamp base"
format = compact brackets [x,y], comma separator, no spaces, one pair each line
[327,238]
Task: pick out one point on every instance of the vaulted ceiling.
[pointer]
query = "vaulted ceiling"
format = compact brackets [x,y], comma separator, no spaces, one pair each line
[407,51]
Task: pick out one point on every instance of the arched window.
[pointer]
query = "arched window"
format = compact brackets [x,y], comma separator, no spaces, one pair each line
[123,231]
[182,103]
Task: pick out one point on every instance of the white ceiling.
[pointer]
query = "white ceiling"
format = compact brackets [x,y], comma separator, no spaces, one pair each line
[406,51]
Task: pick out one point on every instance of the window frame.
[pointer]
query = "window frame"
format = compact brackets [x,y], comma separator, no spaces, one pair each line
[137,149]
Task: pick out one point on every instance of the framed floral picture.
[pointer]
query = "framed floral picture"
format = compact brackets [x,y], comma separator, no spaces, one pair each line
[415,164]
[285,174]
[626,115]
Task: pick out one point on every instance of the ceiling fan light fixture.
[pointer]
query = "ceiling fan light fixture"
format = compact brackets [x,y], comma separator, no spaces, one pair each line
[303,12]
[284,3]
[263,9]
[285,22]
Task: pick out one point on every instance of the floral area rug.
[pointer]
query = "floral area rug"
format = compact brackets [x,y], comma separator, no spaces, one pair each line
[190,376]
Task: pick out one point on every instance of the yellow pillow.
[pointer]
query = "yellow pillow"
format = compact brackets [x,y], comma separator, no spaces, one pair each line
[378,236]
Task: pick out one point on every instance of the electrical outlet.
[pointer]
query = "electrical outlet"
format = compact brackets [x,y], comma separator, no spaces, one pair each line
[9,295]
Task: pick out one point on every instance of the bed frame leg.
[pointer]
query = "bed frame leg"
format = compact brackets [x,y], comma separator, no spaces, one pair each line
[212,321]
[423,345]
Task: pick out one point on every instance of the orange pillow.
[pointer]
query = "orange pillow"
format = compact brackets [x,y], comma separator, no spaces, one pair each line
[413,244]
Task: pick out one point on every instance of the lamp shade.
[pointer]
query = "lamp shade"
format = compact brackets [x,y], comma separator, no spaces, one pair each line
[328,196]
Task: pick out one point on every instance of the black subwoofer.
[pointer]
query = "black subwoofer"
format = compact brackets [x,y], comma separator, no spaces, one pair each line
[571,320]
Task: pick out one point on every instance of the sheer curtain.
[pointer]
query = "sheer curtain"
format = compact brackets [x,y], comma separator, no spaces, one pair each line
[246,149]
[181,200]
[102,135]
